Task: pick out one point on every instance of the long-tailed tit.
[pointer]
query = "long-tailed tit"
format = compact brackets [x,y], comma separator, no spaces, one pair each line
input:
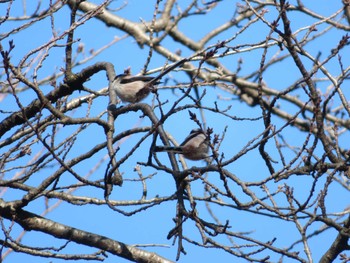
[194,147]
[133,88]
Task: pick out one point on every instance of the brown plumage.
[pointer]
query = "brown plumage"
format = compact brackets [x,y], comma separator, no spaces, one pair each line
[194,147]
[133,89]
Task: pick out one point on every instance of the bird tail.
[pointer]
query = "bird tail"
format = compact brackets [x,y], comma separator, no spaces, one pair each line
[168,149]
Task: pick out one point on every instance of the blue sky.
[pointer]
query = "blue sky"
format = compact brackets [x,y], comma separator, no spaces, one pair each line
[153,225]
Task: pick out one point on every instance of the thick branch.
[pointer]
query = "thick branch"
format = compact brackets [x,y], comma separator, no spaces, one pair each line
[30,221]
[339,245]
[75,83]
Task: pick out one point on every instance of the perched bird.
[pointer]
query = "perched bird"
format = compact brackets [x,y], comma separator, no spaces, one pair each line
[194,147]
[133,88]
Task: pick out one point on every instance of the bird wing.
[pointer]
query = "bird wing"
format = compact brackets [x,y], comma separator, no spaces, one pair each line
[136,78]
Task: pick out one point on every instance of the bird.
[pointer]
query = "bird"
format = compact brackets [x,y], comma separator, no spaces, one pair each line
[133,89]
[194,147]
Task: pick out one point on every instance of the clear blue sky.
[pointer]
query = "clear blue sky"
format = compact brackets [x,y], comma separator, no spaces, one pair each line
[152,226]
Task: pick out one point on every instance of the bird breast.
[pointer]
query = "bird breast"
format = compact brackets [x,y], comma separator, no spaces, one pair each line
[132,92]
